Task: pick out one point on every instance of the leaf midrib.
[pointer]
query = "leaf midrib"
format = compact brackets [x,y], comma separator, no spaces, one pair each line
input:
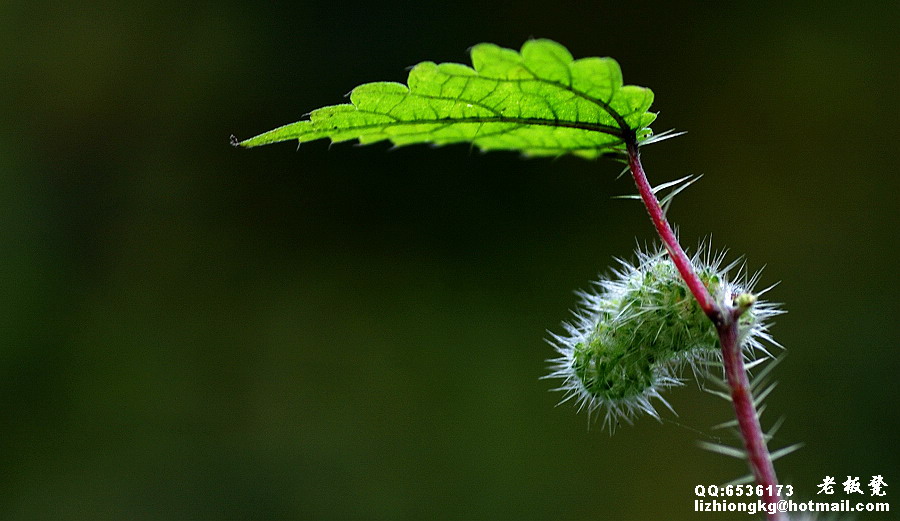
[559,123]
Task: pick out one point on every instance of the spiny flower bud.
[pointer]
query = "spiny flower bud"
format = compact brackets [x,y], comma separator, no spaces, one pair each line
[632,336]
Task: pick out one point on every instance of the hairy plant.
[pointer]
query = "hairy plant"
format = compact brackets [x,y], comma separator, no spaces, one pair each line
[635,332]
[639,328]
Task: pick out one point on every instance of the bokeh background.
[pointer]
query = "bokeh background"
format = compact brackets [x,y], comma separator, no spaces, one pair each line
[195,332]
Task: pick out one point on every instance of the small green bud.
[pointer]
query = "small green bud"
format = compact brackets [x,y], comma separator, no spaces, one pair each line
[744,301]
[632,337]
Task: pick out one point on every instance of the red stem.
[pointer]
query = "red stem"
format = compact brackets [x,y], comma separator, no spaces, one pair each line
[748,420]
[725,318]
[681,260]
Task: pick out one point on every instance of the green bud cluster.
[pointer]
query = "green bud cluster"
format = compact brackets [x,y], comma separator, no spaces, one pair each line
[632,337]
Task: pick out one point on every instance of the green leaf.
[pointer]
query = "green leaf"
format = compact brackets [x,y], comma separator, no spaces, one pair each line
[539,101]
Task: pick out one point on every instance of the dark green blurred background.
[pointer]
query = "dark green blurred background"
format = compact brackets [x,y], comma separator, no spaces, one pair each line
[195,332]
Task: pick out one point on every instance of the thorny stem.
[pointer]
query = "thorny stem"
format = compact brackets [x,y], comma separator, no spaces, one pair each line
[725,317]
[681,260]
